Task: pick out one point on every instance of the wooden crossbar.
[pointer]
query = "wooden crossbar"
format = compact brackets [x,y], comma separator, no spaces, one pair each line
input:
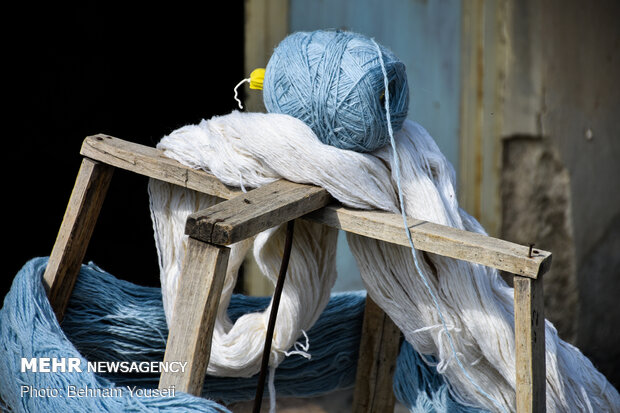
[246,215]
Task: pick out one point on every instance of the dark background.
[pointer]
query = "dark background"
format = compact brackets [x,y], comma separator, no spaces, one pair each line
[136,72]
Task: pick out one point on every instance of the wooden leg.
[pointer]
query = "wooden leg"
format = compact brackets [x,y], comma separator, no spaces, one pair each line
[530,345]
[379,347]
[195,309]
[76,229]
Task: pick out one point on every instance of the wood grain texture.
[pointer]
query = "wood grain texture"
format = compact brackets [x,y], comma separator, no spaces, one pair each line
[379,346]
[530,345]
[438,239]
[246,215]
[195,309]
[76,229]
[152,162]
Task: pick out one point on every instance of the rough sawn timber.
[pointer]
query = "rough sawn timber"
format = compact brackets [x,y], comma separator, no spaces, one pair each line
[76,229]
[246,215]
[530,345]
[379,346]
[193,319]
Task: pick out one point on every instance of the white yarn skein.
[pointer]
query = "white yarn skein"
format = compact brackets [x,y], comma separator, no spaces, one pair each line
[476,303]
[237,348]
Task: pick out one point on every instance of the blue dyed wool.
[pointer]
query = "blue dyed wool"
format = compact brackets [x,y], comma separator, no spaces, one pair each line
[28,328]
[333,81]
[113,320]
[419,387]
[125,322]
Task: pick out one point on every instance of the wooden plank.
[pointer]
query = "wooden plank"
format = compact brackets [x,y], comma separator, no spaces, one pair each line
[437,239]
[476,248]
[379,346]
[152,162]
[77,226]
[246,215]
[195,309]
[530,345]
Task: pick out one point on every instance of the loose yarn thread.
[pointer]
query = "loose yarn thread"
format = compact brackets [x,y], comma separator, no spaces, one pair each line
[410,240]
[247,80]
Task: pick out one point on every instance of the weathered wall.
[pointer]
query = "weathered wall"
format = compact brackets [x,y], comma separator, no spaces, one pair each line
[563,87]
[536,207]
[581,42]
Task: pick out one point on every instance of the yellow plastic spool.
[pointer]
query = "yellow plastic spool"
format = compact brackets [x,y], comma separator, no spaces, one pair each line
[256,79]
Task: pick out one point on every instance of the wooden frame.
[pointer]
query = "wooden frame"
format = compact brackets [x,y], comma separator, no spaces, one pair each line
[243,215]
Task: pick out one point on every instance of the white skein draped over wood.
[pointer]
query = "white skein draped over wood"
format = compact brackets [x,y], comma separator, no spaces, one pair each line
[251,149]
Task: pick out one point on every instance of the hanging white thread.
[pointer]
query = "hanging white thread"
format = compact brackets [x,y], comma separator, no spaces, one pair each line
[304,348]
[236,87]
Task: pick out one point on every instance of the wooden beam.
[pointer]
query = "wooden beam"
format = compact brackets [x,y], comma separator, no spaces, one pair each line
[379,346]
[152,162]
[437,239]
[434,238]
[530,345]
[246,215]
[77,227]
[195,309]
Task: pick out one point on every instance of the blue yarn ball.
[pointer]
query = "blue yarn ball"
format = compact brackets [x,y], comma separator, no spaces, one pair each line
[333,81]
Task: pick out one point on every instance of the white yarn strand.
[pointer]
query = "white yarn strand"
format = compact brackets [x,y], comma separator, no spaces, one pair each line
[304,348]
[476,304]
[237,87]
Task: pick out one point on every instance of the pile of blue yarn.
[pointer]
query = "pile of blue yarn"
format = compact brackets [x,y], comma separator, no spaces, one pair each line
[114,320]
[333,82]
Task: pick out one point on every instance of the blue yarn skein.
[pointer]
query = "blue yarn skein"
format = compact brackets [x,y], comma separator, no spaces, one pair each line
[333,81]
